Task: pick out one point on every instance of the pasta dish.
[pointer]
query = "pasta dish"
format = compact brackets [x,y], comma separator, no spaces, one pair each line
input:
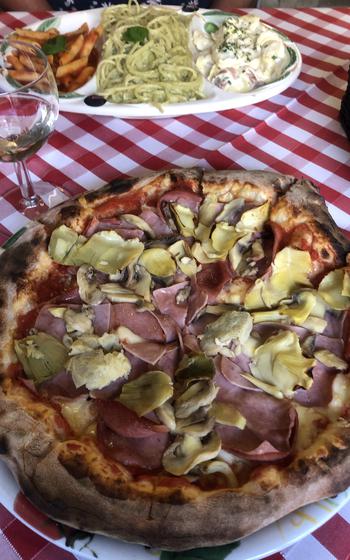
[146,57]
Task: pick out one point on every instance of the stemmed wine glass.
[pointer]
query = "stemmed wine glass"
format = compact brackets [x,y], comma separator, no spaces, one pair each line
[28,111]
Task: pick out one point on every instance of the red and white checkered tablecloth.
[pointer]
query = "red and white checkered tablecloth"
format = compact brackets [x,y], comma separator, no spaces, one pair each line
[296,132]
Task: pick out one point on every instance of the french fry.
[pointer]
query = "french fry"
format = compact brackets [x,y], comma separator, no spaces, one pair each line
[30,42]
[14,61]
[50,59]
[72,51]
[39,36]
[31,62]
[72,67]
[66,82]
[80,31]
[82,78]
[23,76]
[90,41]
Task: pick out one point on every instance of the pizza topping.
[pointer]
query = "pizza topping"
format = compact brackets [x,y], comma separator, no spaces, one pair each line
[166,415]
[172,301]
[158,262]
[63,245]
[330,360]
[279,364]
[118,294]
[197,394]
[187,451]
[199,423]
[125,422]
[146,393]
[80,413]
[139,223]
[77,322]
[226,333]
[332,289]
[226,413]
[96,370]
[41,356]
[290,270]
[88,286]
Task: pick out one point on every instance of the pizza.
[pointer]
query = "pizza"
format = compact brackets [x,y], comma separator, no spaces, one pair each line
[175,356]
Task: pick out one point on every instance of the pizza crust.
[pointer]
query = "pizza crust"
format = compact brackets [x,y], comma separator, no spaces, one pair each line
[172,523]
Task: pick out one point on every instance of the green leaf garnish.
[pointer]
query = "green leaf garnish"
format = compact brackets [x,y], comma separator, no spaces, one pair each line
[55,45]
[210,553]
[210,27]
[136,34]
[49,24]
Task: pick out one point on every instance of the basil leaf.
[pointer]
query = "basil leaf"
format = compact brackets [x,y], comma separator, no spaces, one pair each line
[210,553]
[55,45]
[136,34]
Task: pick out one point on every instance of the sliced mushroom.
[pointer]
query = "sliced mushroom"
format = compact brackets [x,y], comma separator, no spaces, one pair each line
[188,451]
[199,423]
[147,392]
[158,262]
[140,281]
[118,294]
[88,286]
[217,466]
[200,393]
[166,415]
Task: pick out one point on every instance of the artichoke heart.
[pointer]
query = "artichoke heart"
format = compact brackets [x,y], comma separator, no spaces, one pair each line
[280,363]
[108,252]
[96,370]
[139,223]
[300,312]
[146,393]
[254,219]
[118,294]
[41,356]
[232,328]
[208,210]
[64,246]
[346,283]
[188,451]
[332,289]
[224,237]
[185,219]
[290,270]
[158,262]
[230,210]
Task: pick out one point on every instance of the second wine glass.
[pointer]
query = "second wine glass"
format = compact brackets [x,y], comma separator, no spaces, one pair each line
[28,112]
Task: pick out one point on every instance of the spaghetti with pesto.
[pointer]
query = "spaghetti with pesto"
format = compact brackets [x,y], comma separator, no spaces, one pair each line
[146,57]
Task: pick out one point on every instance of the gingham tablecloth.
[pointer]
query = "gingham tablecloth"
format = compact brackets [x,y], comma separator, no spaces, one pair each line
[296,132]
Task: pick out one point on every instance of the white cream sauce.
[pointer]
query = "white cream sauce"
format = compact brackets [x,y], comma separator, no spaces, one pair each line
[242,54]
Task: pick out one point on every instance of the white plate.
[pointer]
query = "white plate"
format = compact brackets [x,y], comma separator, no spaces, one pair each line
[216,99]
[273,538]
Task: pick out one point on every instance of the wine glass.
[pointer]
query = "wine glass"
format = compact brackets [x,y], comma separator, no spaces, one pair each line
[28,111]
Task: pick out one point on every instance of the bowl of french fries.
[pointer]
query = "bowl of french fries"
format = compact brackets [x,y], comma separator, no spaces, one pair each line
[73,55]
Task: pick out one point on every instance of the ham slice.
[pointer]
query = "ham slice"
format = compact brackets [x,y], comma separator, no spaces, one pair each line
[320,392]
[159,227]
[125,422]
[102,318]
[61,385]
[185,198]
[232,370]
[145,323]
[165,299]
[49,324]
[143,452]
[169,361]
[212,278]
[270,419]
[122,227]
[149,352]
[196,302]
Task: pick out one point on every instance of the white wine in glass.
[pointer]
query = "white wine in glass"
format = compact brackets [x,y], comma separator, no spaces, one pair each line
[28,112]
